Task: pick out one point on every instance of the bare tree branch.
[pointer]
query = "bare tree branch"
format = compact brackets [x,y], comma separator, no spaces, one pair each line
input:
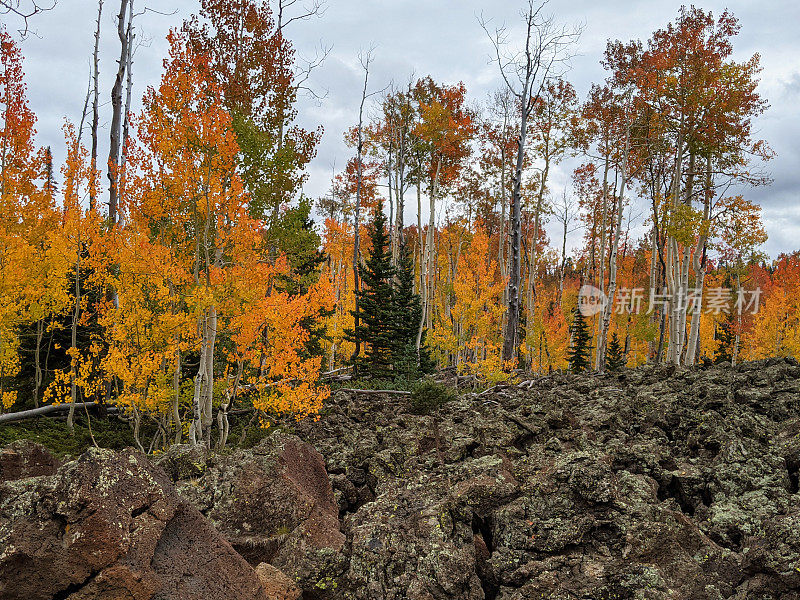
[543,57]
[303,72]
[147,9]
[316,8]
[25,10]
[526,70]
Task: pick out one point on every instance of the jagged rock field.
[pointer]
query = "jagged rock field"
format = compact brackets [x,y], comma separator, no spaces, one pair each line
[650,484]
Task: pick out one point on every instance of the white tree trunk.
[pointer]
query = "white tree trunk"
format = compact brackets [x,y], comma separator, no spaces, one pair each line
[600,362]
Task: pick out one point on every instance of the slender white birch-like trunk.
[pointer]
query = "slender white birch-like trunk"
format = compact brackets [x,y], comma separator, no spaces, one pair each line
[613,267]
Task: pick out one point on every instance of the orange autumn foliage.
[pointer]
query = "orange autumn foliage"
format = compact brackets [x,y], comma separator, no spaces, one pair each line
[193,262]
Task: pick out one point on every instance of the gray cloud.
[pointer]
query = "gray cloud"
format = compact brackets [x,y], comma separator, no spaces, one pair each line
[437,37]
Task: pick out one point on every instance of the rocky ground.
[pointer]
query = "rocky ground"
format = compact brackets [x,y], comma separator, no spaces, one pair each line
[656,483]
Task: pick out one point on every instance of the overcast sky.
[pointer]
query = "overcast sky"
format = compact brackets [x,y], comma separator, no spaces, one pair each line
[441,38]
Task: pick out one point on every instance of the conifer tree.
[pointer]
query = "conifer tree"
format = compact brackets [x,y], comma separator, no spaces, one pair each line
[725,337]
[407,315]
[580,351]
[616,360]
[427,363]
[724,333]
[376,329]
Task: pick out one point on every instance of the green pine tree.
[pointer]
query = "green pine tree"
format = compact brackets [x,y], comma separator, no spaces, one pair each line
[579,354]
[407,315]
[427,364]
[616,360]
[723,332]
[376,330]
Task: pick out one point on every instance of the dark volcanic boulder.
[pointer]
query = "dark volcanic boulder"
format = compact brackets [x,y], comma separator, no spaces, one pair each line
[183,461]
[26,459]
[657,483]
[109,526]
[275,505]
[773,559]
[423,538]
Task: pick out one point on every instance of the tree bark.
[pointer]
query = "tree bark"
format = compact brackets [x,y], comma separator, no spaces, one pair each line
[176,389]
[95,103]
[537,224]
[33,413]
[612,275]
[125,39]
[357,214]
[421,247]
[399,190]
[674,268]
[430,271]
[392,229]
[699,267]
[76,314]
[39,335]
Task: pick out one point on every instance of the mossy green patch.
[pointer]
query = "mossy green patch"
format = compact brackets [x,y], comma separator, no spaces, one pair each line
[53,434]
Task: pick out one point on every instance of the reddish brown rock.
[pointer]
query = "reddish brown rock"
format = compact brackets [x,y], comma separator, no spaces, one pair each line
[275,504]
[26,459]
[109,526]
[277,585]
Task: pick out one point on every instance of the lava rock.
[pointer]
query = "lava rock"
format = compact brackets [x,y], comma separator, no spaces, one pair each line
[669,483]
[26,459]
[108,526]
[275,505]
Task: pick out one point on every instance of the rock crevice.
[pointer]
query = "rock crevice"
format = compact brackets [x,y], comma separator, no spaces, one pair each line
[658,483]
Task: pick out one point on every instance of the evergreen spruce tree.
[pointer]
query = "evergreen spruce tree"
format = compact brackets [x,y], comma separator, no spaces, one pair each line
[723,332]
[427,364]
[407,310]
[579,354]
[407,314]
[377,329]
[616,360]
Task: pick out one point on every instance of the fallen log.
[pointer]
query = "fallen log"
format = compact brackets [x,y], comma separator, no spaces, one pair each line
[332,374]
[356,391]
[42,411]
